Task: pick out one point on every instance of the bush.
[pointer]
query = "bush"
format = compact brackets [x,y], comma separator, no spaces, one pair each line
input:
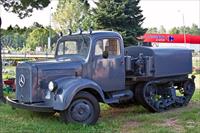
[196,70]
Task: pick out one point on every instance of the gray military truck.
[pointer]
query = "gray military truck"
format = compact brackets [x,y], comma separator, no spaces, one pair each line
[93,67]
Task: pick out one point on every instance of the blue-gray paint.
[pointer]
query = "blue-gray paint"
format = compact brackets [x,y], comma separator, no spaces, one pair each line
[166,61]
[109,73]
[70,87]
[97,73]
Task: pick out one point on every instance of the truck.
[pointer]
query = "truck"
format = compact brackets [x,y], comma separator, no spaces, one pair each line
[94,67]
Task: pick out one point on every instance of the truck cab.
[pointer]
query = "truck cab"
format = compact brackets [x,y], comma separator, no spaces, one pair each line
[102,56]
[91,67]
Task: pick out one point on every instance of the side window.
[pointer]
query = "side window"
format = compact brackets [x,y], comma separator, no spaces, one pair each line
[99,48]
[61,49]
[110,45]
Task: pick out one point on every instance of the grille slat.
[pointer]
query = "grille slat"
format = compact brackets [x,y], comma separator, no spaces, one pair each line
[24,90]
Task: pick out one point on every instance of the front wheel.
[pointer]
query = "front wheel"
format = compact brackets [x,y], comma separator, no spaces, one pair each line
[84,109]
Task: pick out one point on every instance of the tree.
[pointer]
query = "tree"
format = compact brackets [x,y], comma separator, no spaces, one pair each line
[10,28]
[174,30]
[85,3]
[70,14]
[152,30]
[14,40]
[38,37]
[37,25]
[124,16]
[14,37]
[7,40]
[194,30]
[2,99]
[184,29]
[162,30]
[24,8]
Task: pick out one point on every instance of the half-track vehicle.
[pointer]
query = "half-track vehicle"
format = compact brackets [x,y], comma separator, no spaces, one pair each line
[93,67]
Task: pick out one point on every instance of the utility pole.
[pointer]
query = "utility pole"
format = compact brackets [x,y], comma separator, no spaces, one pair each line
[2,99]
[184,34]
[199,24]
[184,28]
[49,38]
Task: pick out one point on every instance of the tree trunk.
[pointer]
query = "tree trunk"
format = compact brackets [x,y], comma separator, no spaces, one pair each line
[2,99]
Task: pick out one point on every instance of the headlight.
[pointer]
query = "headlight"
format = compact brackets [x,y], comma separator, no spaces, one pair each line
[52,86]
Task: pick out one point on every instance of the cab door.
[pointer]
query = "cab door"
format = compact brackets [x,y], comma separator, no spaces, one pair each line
[108,64]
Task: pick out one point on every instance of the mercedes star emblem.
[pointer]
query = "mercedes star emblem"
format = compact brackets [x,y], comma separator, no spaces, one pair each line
[21,80]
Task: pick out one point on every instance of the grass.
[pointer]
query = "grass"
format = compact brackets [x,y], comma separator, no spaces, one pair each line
[196,63]
[133,119]
[10,72]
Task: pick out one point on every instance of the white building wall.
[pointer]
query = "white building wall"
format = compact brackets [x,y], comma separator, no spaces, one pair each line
[195,47]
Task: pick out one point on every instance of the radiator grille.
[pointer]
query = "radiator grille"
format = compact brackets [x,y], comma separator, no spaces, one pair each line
[24,84]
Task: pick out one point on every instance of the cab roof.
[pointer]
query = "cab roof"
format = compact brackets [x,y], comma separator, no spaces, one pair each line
[97,33]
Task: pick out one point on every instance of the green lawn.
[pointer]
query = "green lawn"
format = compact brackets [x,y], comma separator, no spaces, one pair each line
[10,72]
[196,63]
[132,119]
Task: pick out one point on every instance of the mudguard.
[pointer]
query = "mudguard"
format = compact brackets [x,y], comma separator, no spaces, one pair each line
[69,87]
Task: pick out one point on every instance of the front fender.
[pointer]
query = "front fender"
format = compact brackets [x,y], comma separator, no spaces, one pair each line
[70,87]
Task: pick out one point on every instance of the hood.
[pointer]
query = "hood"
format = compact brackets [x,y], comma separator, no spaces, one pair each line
[55,68]
[53,65]
[38,75]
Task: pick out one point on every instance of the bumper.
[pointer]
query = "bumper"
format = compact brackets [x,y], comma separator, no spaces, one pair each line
[38,107]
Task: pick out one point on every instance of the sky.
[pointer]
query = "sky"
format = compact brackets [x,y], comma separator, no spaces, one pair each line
[168,13]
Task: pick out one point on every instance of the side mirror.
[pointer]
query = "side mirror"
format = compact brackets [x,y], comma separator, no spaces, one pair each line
[105,54]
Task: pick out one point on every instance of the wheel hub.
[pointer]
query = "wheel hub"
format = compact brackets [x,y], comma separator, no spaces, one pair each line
[81,110]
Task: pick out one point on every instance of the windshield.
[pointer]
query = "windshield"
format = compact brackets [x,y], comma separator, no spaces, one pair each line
[76,46]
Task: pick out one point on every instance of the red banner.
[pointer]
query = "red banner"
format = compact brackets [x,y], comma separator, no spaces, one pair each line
[171,38]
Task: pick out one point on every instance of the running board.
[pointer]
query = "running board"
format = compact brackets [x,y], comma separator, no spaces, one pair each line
[119,96]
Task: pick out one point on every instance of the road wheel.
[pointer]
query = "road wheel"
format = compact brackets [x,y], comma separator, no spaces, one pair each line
[84,109]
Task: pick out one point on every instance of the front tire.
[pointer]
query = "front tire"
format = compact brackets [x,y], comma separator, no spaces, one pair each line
[84,109]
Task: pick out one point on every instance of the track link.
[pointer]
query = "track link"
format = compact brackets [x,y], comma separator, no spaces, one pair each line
[161,96]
